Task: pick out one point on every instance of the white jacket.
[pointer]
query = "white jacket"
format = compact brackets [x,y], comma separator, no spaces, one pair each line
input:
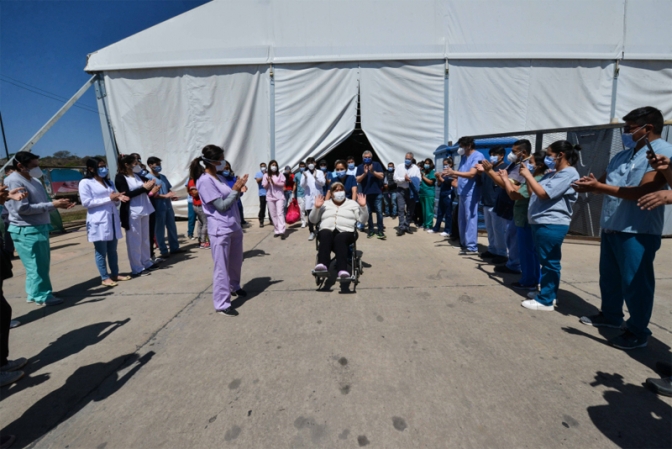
[401,171]
[102,217]
[343,217]
[312,186]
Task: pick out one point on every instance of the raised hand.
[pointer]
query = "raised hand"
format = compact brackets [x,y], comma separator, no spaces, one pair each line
[523,170]
[659,162]
[586,184]
[487,165]
[319,201]
[240,182]
[361,199]
[655,199]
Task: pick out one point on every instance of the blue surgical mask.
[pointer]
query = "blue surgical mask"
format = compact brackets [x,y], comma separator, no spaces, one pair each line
[103,172]
[550,162]
[367,160]
[530,167]
[340,173]
[427,166]
[143,172]
[494,160]
[390,169]
[226,173]
[408,162]
[351,166]
[302,169]
[628,141]
[323,168]
[157,169]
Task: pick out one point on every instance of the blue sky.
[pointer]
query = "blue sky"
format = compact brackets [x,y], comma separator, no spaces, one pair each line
[43,47]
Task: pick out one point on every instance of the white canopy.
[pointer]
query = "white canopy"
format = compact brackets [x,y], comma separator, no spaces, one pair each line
[281,78]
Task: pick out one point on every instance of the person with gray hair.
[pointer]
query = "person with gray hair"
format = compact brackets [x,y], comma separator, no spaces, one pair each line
[407,176]
[370,175]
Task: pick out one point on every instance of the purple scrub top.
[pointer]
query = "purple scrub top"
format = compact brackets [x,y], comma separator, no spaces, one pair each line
[209,189]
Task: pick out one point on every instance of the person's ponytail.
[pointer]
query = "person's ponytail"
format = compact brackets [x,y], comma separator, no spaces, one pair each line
[196,169]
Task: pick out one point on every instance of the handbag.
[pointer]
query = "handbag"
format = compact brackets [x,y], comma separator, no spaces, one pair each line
[293,212]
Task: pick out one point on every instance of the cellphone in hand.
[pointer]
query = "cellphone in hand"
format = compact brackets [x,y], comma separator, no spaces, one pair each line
[649,152]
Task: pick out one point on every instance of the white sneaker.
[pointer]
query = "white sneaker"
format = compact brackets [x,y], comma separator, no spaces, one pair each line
[303,225]
[430,231]
[444,234]
[312,236]
[533,304]
[533,295]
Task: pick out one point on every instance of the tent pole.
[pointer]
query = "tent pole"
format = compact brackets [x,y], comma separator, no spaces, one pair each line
[4,139]
[445,104]
[111,150]
[614,91]
[272,111]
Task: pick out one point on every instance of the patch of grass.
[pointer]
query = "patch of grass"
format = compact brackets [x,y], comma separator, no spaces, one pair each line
[67,217]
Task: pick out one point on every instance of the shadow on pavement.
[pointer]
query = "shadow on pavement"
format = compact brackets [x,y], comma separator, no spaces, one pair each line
[63,347]
[253,287]
[254,253]
[65,245]
[633,416]
[90,383]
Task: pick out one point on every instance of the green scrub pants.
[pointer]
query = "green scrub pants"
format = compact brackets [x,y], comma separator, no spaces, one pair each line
[32,244]
[427,202]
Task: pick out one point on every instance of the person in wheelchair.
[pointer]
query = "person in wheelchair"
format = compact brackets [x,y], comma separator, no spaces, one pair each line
[337,220]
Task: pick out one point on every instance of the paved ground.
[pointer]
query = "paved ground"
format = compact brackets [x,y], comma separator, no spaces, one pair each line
[432,351]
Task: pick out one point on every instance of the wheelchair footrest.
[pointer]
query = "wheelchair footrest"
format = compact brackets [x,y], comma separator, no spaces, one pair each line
[321,274]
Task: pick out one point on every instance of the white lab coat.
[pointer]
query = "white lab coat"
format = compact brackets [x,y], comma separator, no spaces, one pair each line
[401,171]
[312,185]
[102,217]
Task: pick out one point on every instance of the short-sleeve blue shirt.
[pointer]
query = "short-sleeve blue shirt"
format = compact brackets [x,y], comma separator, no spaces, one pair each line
[627,169]
[164,188]
[348,182]
[370,184]
[557,209]
[260,175]
[466,186]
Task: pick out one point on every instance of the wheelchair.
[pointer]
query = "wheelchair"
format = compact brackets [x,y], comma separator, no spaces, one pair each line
[355,265]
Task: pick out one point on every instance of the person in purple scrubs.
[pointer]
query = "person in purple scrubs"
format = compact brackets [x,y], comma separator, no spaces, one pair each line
[226,236]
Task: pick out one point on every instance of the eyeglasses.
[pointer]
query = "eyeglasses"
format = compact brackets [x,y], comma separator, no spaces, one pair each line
[628,129]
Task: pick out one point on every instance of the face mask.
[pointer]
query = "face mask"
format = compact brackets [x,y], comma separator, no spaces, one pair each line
[390,169]
[351,166]
[323,168]
[530,167]
[157,169]
[274,168]
[137,169]
[340,173]
[263,169]
[494,160]
[550,162]
[512,157]
[302,169]
[367,160]
[446,167]
[226,173]
[143,173]
[408,162]
[35,172]
[102,172]
[339,196]
[311,166]
[628,141]
[427,166]
[460,151]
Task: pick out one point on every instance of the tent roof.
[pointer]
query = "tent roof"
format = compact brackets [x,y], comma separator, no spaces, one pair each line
[234,32]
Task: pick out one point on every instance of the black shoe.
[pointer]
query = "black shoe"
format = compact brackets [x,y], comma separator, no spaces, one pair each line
[400,232]
[370,234]
[505,269]
[487,255]
[240,292]
[664,369]
[283,237]
[143,273]
[261,224]
[662,387]
[519,286]
[381,236]
[499,260]
[153,267]
[275,236]
[228,312]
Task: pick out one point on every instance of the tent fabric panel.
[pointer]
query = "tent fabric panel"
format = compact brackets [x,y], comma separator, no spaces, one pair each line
[648,29]
[644,83]
[174,113]
[402,107]
[315,109]
[489,97]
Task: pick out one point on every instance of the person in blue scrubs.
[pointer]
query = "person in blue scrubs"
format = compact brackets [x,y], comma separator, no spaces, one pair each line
[165,216]
[469,194]
[631,235]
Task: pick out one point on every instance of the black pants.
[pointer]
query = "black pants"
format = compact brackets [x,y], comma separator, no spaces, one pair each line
[311,226]
[5,319]
[335,241]
[262,210]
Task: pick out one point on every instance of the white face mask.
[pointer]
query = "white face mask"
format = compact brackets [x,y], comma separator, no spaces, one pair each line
[274,168]
[35,172]
[512,157]
[339,196]
[137,169]
[460,151]
[311,166]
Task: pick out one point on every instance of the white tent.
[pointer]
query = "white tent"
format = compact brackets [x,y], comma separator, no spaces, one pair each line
[281,78]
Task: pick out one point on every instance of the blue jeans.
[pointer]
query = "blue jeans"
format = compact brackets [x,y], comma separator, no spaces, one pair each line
[288,199]
[512,245]
[165,219]
[390,203]
[468,220]
[626,274]
[548,241]
[445,212]
[529,262]
[496,229]
[107,250]
[192,219]
[374,201]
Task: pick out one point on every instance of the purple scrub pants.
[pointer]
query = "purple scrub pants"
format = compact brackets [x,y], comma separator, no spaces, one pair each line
[227,253]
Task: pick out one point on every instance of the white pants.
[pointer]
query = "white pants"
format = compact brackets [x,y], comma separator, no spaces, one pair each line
[302,208]
[137,243]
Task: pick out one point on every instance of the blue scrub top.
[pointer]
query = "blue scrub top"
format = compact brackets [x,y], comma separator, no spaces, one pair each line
[466,186]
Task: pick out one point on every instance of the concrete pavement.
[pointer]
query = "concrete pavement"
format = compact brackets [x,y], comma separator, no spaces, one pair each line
[432,351]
